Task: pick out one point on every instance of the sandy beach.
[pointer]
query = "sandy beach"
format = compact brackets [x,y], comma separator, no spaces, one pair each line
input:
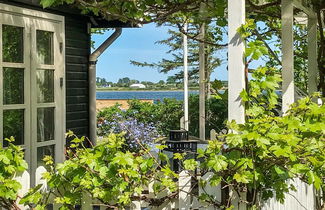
[103,103]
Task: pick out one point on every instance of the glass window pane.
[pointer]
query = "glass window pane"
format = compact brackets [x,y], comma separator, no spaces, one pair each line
[13,125]
[45,86]
[13,86]
[44,151]
[45,124]
[13,44]
[45,49]
[49,207]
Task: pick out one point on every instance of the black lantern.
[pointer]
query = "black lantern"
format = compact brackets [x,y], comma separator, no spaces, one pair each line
[180,142]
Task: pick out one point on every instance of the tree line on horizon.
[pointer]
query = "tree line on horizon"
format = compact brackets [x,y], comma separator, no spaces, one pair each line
[126,82]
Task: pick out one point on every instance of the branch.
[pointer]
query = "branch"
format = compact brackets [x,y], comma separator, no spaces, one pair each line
[267,46]
[181,29]
[157,14]
[263,6]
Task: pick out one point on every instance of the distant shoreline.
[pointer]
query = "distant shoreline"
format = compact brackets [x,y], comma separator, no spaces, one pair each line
[141,90]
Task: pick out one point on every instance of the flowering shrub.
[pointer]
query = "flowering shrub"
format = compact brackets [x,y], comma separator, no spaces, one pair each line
[163,116]
[136,134]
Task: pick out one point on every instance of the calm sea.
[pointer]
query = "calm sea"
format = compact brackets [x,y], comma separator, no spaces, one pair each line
[154,95]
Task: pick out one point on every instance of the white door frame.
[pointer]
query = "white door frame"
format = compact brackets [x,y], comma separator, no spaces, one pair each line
[33,20]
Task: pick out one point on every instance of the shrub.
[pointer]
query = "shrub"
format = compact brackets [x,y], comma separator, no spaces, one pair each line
[11,164]
[105,173]
[262,155]
[215,116]
[164,115]
[137,134]
[257,158]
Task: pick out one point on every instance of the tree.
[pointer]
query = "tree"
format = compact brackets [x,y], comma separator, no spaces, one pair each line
[123,82]
[101,82]
[161,83]
[175,44]
[134,81]
[171,80]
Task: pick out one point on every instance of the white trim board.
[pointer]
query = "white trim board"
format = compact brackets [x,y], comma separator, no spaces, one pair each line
[20,11]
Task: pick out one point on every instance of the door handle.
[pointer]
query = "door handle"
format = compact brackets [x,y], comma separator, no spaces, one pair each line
[61,82]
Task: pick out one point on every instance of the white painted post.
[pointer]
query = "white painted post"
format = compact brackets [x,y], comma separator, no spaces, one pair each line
[288,87]
[38,177]
[24,180]
[202,83]
[238,199]
[103,207]
[167,205]
[184,196]
[185,55]
[182,123]
[312,55]
[213,135]
[214,191]
[236,66]
[86,202]
[135,205]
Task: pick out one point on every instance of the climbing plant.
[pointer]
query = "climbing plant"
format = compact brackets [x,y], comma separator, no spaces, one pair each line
[105,173]
[257,158]
[12,164]
[260,156]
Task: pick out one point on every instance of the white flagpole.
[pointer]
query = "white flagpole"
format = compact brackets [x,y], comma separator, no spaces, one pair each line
[185,54]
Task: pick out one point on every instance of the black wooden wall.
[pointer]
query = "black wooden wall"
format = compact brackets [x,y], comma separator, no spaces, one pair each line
[77,56]
[77,41]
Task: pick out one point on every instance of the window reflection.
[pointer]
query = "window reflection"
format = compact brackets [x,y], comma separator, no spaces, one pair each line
[13,125]
[44,151]
[12,44]
[45,124]
[45,49]
[45,86]
[13,86]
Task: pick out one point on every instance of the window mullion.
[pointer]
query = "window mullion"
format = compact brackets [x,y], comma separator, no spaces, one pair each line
[1,88]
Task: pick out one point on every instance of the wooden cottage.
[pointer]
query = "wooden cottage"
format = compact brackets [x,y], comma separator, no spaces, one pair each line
[44,79]
[47,79]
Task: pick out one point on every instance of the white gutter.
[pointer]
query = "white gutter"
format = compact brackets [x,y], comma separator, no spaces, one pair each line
[92,82]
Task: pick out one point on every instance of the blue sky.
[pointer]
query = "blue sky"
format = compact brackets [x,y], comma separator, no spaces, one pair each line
[138,44]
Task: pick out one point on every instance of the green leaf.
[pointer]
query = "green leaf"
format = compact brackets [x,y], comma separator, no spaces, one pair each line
[234,139]
[317,182]
[178,156]
[47,3]
[190,164]
[244,95]
[262,142]
[163,157]
[217,163]
[279,171]
[161,147]
[215,180]
[123,159]
[241,178]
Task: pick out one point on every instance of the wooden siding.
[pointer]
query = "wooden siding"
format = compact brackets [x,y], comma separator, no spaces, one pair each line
[77,54]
